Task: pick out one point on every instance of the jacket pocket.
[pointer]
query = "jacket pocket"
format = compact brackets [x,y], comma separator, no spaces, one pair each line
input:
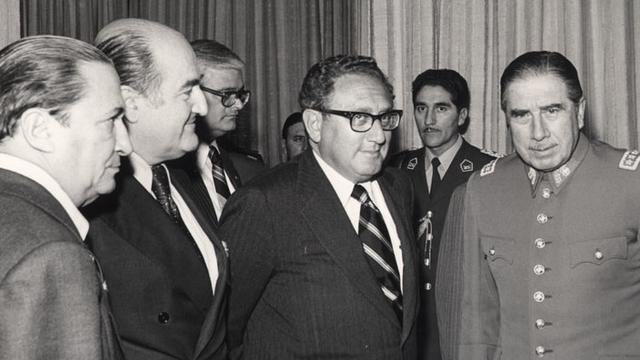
[497,249]
[598,251]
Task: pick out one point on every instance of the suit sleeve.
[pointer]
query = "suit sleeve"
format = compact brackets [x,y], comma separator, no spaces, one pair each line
[49,306]
[246,226]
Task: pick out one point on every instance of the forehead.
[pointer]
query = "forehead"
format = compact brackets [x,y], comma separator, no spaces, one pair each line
[359,92]
[536,91]
[296,129]
[221,76]
[433,94]
[175,59]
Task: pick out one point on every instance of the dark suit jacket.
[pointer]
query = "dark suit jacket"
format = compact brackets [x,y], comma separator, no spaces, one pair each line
[302,287]
[160,288]
[467,160]
[240,168]
[52,303]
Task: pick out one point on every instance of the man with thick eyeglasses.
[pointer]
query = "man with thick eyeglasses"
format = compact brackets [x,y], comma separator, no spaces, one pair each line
[441,102]
[323,250]
[216,172]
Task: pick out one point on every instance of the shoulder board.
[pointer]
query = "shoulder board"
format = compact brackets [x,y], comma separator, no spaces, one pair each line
[630,160]
[491,153]
[489,168]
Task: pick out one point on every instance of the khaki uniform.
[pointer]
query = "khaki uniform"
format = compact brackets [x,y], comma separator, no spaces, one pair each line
[550,263]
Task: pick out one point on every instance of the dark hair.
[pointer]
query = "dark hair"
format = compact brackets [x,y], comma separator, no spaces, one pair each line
[215,54]
[42,72]
[537,63]
[452,82]
[127,44]
[292,119]
[319,81]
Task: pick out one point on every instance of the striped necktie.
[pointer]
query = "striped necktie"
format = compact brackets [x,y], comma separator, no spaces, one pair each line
[219,178]
[162,190]
[378,251]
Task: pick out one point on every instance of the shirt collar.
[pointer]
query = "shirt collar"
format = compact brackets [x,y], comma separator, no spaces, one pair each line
[560,176]
[342,186]
[39,175]
[141,171]
[202,155]
[446,158]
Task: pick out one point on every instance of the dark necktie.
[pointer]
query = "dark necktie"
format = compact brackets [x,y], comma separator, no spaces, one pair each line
[435,176]
[219,179]
[162,190]
[378,250]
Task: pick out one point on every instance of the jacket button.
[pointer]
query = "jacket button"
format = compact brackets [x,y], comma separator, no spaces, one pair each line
[538,296]
[598,255]
[539,269]
[540,243]
[163,318]
[540,323]
[540,351]
[542,218]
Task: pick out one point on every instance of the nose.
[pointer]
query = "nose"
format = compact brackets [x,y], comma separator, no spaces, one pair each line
[538,127]
[305,144]
[376,134]
[198,102]
[123,145]
[429,119]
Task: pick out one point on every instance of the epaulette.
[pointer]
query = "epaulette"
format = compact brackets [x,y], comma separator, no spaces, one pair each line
[630,160]
[492,153]
[488,168]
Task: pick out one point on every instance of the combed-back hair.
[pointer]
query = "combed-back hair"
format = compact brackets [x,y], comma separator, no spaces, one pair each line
[318,84]
[292,119]
[214,54]
[537,63]
[42,72]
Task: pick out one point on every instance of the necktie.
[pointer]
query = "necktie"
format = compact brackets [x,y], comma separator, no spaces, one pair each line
[219,179]
[435,178]
[376,244]
[161,189]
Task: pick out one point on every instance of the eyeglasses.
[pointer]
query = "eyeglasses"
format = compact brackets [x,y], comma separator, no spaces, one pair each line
[229,98]
[362,122]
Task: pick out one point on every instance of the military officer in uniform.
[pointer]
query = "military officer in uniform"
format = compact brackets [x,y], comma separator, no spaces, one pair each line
[545,249]
[441,110]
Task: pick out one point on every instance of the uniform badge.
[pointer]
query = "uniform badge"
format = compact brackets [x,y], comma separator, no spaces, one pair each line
[412,163]
[630,160]
[466,165]
[492,153]
[489,168]
[532,175]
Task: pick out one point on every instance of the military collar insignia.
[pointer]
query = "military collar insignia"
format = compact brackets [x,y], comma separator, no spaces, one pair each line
[532,174]
[412,163]
[630,160]
[466,165]
[489,168]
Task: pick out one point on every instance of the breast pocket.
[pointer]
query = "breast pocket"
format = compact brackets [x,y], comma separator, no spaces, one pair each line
[598,251]
[497,250]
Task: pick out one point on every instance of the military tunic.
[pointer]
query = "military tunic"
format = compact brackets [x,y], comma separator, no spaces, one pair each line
[434,207]
[551,262]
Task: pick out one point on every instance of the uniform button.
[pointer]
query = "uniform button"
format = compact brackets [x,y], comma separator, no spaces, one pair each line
[540,323]
[542,218]
[538,296]
[540,243]
[163,318]
[492,252]
[539,269]
[546,193]
[427,286]
[540,351]
[598,255]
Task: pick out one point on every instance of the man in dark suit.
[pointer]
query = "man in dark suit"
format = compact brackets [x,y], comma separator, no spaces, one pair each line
[323,251]
[215,172]
[166,266]
[441,110]
[60,140]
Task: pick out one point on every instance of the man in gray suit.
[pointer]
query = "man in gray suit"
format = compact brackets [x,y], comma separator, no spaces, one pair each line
[61,134]
[326,268]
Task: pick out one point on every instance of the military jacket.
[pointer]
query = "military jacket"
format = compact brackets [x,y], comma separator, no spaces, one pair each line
[551,262]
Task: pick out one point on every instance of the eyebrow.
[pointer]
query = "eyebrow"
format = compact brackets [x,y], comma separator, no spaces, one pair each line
[551,106]
[190,83]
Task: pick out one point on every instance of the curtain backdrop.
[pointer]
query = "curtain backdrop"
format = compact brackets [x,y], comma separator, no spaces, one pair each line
[9,22]
[278,40]
[478,38]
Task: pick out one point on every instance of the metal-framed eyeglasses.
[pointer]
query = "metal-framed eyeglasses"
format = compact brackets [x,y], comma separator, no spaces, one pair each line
[363,122]
[229,97]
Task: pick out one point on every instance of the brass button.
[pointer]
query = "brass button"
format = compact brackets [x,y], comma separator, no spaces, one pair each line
[539,269]
[538,296]
[598,255]
[540,243]
[542,218]
[540,323]
[540,351]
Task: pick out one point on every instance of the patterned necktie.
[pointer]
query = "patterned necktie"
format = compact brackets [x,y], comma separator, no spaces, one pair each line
[161,189]
[435,178]
[378,250]
[219,179]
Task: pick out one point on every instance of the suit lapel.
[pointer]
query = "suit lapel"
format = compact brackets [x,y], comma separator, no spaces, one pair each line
[330,224]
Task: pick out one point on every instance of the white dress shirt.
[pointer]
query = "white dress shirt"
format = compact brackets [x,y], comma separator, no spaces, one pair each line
[142,173]
[344,188]
[37,174]
[445,160]
[206,167]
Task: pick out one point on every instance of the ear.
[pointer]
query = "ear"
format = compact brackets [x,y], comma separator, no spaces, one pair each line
[132,100]
[313,124]
[462,116]
[582,104]
[38,128]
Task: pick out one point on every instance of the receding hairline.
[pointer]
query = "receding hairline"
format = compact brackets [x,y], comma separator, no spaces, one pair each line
[150,30]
